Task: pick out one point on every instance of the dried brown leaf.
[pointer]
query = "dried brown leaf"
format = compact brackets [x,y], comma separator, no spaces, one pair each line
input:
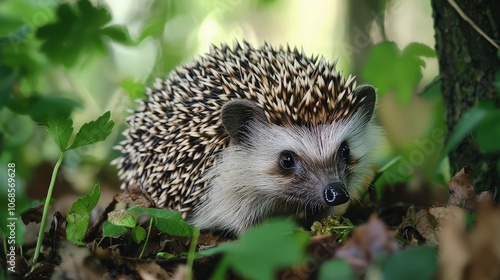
[426,224]
[137,196]
[368,241]
[34,214]
[462,192]
[151,271]
[471,254]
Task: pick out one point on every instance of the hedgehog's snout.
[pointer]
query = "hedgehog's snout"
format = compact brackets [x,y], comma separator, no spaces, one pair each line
[335,194]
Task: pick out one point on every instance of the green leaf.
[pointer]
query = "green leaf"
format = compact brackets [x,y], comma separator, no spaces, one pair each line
[466,124]
[61,130]
[77,31]
[79,216]
[94,131]
[387,68]
[264,250]
[122,218]
[156,212]
[7,79]
[413,263]
[336,269]
[43,108]
[134,89]
[169,222]
[173,226]
[138,234]
[488,132]
[109,229]
[164,255]
[118,34]
[418,49]
[433,89]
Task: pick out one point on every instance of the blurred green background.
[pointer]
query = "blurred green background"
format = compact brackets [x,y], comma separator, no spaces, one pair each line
[85,58]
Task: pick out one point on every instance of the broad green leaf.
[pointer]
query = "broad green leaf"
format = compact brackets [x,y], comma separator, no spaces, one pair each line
[173,226]
[385,54]
[413,263]
[433,89]
[419,49]
[122,218]
[61,130]
[43,108]
[170,222]
[156,212]
[388,68]
[109,229]
[94,131]
[134,89]
[466,124]
[78,31]
[488,132]
[264,250]
[336,269]
[138,234]
[79,216]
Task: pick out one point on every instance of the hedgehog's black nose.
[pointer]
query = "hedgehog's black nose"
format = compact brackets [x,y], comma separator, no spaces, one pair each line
[335,194]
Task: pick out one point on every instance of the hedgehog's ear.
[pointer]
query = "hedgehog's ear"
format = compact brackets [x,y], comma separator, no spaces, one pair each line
[367,97]
[237,114]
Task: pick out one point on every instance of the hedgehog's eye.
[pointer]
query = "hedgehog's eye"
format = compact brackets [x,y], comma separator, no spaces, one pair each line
[287,160]
[344,151]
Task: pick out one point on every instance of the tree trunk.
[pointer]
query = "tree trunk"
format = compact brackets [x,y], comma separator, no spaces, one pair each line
[467,63]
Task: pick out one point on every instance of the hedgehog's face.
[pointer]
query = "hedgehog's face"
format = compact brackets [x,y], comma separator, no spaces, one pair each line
[316,166]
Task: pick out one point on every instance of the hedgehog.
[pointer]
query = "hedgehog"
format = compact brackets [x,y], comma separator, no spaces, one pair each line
[242,134]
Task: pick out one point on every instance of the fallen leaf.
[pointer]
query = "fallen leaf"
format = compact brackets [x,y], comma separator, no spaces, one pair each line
[473,254]
[34,214]
[462,192]
[369,241]
[151,271]
[137,196]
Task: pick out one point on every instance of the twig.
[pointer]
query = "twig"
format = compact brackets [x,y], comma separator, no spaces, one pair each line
[472,23]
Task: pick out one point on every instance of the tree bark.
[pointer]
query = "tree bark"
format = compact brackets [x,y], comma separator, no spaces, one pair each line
[467,63]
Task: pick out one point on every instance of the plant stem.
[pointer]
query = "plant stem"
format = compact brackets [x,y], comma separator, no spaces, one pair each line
[344,227]
[147,237]
[192,253]
[46,209]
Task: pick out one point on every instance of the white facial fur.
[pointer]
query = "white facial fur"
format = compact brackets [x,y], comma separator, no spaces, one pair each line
[244,187]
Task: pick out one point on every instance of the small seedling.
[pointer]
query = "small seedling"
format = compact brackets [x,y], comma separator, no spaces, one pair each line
[61,130]
[169,222]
